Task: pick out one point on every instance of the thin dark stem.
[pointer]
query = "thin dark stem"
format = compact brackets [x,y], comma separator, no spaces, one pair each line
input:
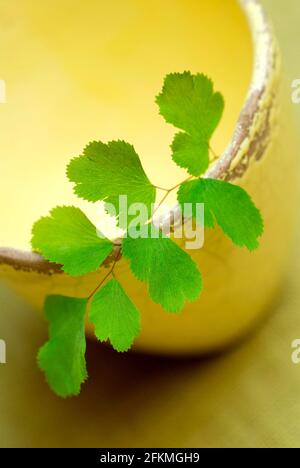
[110,272]
[91,296]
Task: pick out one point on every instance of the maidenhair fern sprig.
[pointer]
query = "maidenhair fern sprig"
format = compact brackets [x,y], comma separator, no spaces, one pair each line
[107,172]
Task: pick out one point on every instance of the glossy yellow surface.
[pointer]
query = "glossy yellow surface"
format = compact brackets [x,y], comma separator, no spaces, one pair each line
[248,397]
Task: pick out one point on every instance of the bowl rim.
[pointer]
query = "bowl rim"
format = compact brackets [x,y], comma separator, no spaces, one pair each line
[265,67]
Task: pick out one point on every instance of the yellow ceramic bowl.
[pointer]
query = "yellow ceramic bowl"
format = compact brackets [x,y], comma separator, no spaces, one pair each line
[64,89]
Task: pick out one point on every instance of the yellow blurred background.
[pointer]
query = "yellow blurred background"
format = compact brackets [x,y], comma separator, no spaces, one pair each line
[248,397]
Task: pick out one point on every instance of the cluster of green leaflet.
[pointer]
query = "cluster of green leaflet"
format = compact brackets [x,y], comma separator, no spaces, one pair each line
[102,173]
